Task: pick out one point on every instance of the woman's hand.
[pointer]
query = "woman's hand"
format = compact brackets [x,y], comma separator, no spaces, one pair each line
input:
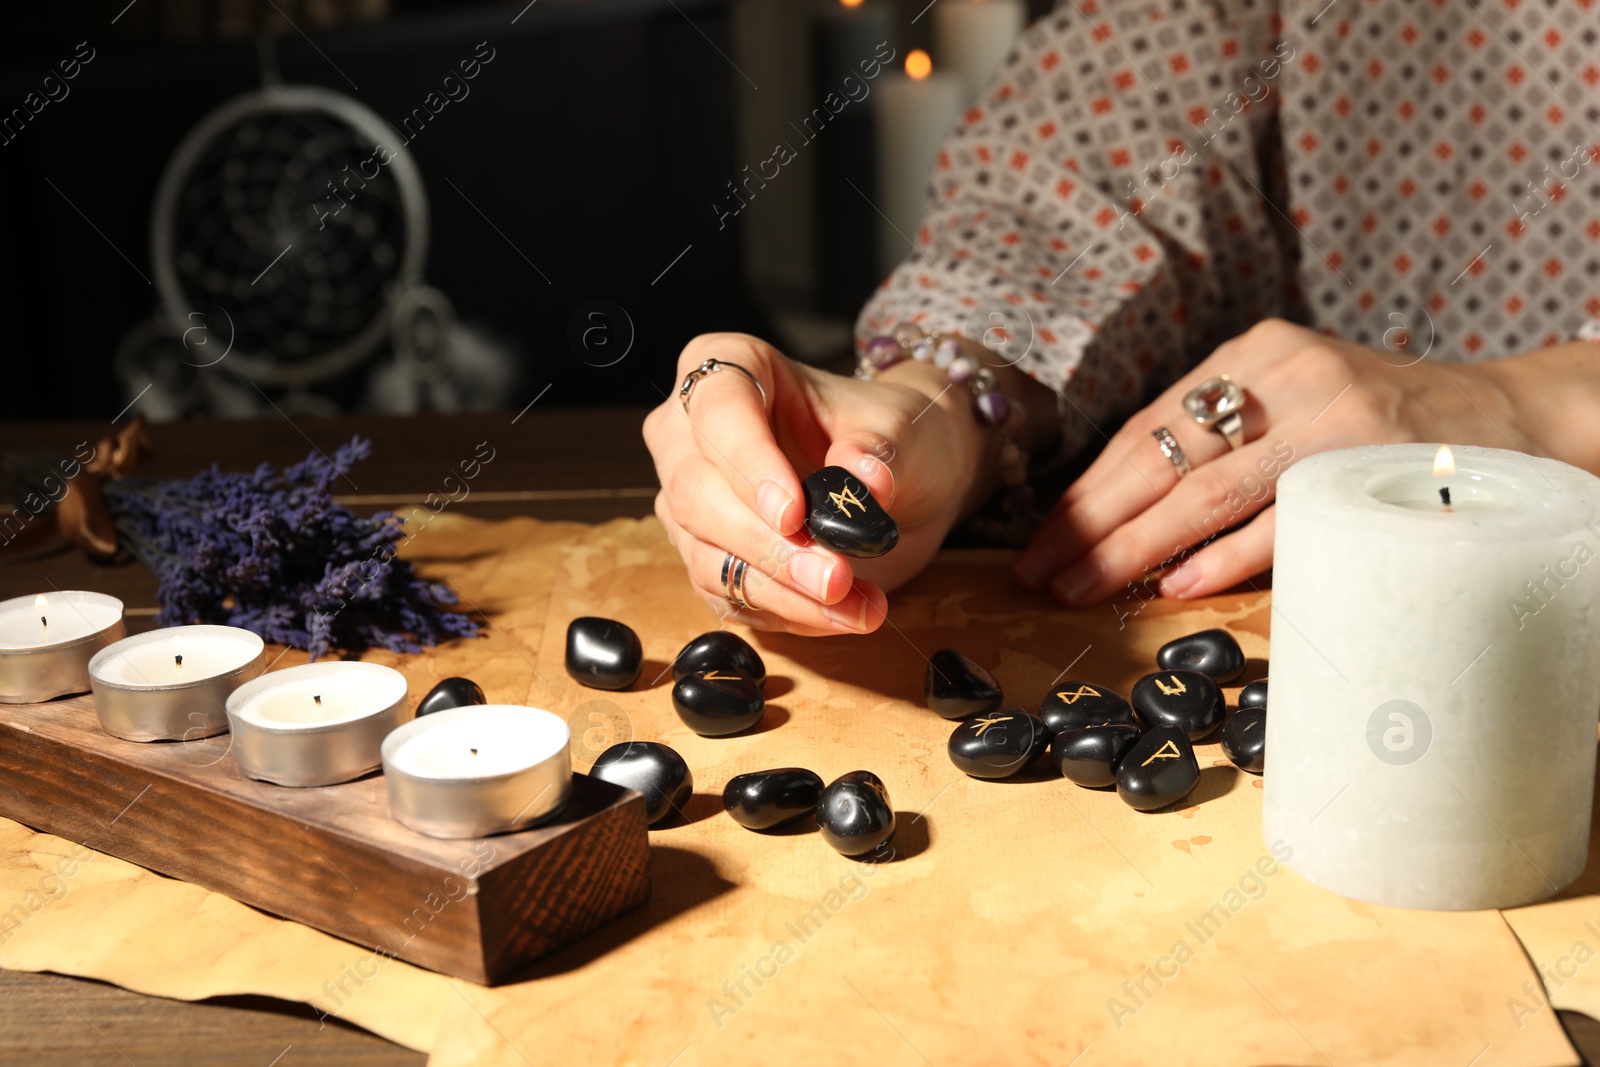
[1130,514]
[730,472]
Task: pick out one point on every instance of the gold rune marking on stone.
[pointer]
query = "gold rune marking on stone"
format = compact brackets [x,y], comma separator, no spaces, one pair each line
[1181,688]
[1081,691]
[983,724]
[848,496]
[718,676]
[1166,751]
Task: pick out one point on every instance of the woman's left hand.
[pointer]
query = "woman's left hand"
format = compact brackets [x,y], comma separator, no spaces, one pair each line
[1130,513]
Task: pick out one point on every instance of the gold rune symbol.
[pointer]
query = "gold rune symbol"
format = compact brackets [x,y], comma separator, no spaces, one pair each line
[717,676]
[847,497]
[1166,751]
[1181,688]
[1082,691]
[983,724]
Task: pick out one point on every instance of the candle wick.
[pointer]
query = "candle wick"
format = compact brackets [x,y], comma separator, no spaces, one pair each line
[177,660]
[44,621]
[317,699]
[1444,495]
[473,751]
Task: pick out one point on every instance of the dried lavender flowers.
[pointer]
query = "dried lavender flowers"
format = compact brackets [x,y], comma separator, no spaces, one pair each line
[271,552]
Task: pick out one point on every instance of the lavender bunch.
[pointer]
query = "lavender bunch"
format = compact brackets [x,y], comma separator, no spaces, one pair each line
[271,552]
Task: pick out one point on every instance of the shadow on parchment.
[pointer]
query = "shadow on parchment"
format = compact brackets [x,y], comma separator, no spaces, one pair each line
[680,881]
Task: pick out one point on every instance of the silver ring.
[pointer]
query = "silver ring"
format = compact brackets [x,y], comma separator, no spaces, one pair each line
[733,572]
[1172,449]
[711,366]
[1217,404]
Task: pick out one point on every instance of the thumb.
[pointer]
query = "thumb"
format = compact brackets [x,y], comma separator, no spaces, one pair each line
[867,456]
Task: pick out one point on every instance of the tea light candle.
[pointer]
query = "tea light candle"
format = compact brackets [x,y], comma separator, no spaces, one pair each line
[172,684]
[478,770]
[1435,688]
[46,642]
[316,724]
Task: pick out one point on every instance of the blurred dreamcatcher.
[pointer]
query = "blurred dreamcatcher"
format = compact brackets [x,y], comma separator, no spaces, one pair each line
[288,238]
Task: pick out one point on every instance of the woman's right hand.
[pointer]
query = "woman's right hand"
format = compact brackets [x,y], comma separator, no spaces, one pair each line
[731,469]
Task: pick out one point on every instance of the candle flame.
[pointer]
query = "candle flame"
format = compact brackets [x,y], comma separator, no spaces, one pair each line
[41,602]
[1444,464]
[919,64]
[850,3]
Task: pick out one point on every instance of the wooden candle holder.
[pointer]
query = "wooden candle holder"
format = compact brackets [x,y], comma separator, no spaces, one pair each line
[329,857]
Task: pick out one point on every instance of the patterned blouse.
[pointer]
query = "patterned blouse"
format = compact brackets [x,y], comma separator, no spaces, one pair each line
[1146,178]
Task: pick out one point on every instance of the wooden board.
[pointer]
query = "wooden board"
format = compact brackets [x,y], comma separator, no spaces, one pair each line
[329,857]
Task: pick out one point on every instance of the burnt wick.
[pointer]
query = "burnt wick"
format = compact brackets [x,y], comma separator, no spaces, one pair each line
[473,751]
[44,622]
[317,699]
[177,661]
[1444,495]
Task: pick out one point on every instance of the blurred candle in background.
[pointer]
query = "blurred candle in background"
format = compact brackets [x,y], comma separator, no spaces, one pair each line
[849,43]
[972,37]
[915,112]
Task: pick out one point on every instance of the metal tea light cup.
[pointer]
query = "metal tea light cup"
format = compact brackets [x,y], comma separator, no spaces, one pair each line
[435,792]
[365,702]
[136,709]
[30,674]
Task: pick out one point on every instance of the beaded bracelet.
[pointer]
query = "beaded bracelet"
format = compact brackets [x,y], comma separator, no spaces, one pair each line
[962,359]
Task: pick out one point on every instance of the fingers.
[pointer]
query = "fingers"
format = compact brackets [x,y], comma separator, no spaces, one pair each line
[1215,497]
[1225,562]
[702,502]
[774,606]
[728,417]
[1130,476]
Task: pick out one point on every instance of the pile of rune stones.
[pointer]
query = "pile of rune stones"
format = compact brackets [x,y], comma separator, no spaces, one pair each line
[1097,738]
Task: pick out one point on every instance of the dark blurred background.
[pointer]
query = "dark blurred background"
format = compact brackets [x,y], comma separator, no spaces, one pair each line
[560,234]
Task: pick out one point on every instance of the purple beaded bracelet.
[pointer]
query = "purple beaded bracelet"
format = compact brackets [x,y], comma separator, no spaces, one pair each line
[949,353]
[943,351]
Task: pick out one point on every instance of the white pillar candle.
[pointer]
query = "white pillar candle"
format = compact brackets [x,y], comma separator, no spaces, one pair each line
[973,37]
[1435,684]
[477,770]
[47,640]
[172,684]
[915,112]
[318,723]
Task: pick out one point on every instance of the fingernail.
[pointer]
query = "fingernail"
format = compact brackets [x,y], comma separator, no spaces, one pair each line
[773,502]
[1036,566]
[1180,580]
[852,619]
[1075,585]
[812,571]
[868,467]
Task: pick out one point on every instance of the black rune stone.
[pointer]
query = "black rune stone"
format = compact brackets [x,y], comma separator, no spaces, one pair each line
[1244,740]
[1074,705]
[999,744]
[451,693]
[761,800]
[717,703]
[841,514]
[958,688]
[1184,698]
[603,653]
[1253,695]
[719,650]
[1159,770]
[854,813]
[653,769]
[1214,653]
[1089,756]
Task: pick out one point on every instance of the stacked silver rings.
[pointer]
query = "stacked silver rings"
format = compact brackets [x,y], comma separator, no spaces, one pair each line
[733,572]
[1172,450]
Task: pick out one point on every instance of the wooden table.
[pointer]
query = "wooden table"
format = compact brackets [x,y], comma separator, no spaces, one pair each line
[586,465]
